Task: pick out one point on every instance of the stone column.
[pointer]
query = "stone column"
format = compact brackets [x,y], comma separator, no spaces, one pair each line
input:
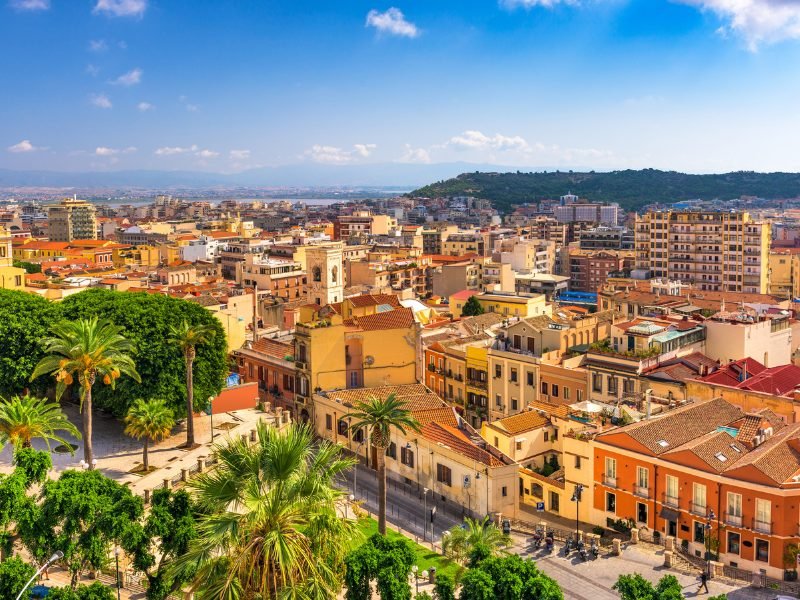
[616,545]
[669,543]
[201,465]
[714,569]
[167,483]
[634,536]
[184,474]
[668,558]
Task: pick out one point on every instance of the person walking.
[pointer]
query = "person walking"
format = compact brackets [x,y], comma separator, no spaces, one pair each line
[703,582]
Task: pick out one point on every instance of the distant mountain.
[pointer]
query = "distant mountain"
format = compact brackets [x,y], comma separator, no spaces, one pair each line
[403,175]
[632,189]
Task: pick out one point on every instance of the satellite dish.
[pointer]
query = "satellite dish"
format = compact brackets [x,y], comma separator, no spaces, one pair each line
[369,360]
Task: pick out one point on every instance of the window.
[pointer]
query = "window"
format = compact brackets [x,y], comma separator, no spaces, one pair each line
[762,550]
[611,502]
[698,497]
[597,382]
[328,422]
[444,474]
[555,391]
[358,436]
[577,462]
[391,451]
[498,371]
[504,491]
[763,514]
[566,393]
[699,532]
[498,401]
[514,404]
[546,436]
[407,457]
[343,429]
[734,505]
[612,384]
[672,489]
[642,478]
[518,445]
[734,543]
[513,375]
[316,274]
[554,501]
[579,396]
[544,388]
[611,468]
[530,379]
[641,512]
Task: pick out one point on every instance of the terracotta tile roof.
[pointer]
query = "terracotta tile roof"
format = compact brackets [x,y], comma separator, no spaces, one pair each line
[399,318]
[777,381]
[561,411]
[718,449]
[519,423]
[480,323]
[273,348]
[464,294]
[374,300]
[456,441]
[682,368]
[444,415]
[733,373]
[682,425]
[404,392]
[778,458]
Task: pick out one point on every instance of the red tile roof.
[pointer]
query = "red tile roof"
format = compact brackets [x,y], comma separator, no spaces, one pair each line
[464,294]
[734,372]
[399,318]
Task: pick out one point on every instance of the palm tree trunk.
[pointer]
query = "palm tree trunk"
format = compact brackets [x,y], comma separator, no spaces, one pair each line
[145,460]
[88,450]
[381,460]
[189,399]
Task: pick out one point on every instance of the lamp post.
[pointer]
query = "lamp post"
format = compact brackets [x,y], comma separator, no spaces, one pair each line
[415,570]
[350,498]
[424,513]
[116,560]
[576,498]
[355,470]
[86,466]
[58,555]
[211,414]
[709,518]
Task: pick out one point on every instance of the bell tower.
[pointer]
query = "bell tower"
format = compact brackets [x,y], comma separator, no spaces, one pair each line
[324,268]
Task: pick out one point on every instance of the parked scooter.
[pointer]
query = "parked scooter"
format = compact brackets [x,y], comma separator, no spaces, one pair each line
[549,543]
[537,539]
[582,550]
[595,551]
[568,546]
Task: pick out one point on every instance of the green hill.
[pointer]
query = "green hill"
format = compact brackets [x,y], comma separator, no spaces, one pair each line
[632,189]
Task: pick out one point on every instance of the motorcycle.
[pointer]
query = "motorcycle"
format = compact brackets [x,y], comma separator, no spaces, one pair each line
[549,543]
[594,550]
[537,540]
[582,550]
[567,546]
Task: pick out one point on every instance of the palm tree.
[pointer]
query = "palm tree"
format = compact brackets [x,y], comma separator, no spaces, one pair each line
[381,416]
[152,420]
[461,540]
[82,350]
[23,418]
[187,338]
[269,523]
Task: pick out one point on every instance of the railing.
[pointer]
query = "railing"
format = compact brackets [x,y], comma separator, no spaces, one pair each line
[698,509]
[477,383]
[458,377]
[762,526]
[671,501]
[642,491]
[609,481]
[733,520]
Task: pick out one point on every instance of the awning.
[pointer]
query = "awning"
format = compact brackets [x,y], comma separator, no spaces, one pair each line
[668,514]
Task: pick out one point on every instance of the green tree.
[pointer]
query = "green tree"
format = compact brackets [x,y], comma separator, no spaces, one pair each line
[95,591]
[169,528]
[84,514]
[380,417]
[147,320]
[23,418]
[30,466]
[187,338]
[472,307]
[14,574]
[444,588]
[152,420]
[24,321]
[84,350]
[270,519]
[636,587]
[387,561]
[509,578]
[28,266]
[460,541]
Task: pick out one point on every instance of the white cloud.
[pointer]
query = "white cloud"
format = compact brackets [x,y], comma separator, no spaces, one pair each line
[333,155]
[98,45]
[173,150]
[106,151]
[145,106]
[528,4]
[92,70]
[100,101]
[415,155]
[475,140]
[364,150]
[121,8]
[23,147]
[756,21]
[239,154]
[132,77]
[30,4]
[206,153]
[393,22]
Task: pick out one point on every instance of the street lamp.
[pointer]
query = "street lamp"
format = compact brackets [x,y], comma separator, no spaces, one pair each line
[211,414]
[415,570]
[424,513]
[350,498]
[576,498]
[86,466]
[116,560]
[709,518]
[58,555]
[355,469]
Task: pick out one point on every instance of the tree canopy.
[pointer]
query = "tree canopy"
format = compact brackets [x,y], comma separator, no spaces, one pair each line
[472,307]
[636,587]
[508,578]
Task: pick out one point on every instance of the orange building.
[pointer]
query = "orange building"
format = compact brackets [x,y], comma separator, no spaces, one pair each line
[434,368]
[707,474]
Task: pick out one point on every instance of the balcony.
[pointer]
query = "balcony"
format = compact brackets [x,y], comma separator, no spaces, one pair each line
[477,384]
[641,491]
[670,501]
[733,520]
[609,481]
[458,377]
[698,509]
[762,526]
[301,365]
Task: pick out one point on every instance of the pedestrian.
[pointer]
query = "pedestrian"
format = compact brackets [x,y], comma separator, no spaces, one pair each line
[703,582]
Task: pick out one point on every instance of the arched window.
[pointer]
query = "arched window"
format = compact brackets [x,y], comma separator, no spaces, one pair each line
[316,274]
[334,274]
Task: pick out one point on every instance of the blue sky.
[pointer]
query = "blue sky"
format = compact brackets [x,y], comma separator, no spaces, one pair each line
[226,85]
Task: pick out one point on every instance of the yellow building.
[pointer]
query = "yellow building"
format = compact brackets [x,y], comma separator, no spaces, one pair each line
[510,304]
[11,277]
[784,273]
[368,351]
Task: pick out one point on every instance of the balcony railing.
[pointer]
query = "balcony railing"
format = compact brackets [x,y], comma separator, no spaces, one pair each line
[733,520]
[698,509]
[670,501]
[641,491]
[762,526]
[609,481]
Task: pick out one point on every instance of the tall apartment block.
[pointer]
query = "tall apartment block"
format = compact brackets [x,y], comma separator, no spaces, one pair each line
[72,219]
[713,250]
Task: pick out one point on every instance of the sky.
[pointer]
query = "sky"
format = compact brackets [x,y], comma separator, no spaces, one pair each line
[230,85]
